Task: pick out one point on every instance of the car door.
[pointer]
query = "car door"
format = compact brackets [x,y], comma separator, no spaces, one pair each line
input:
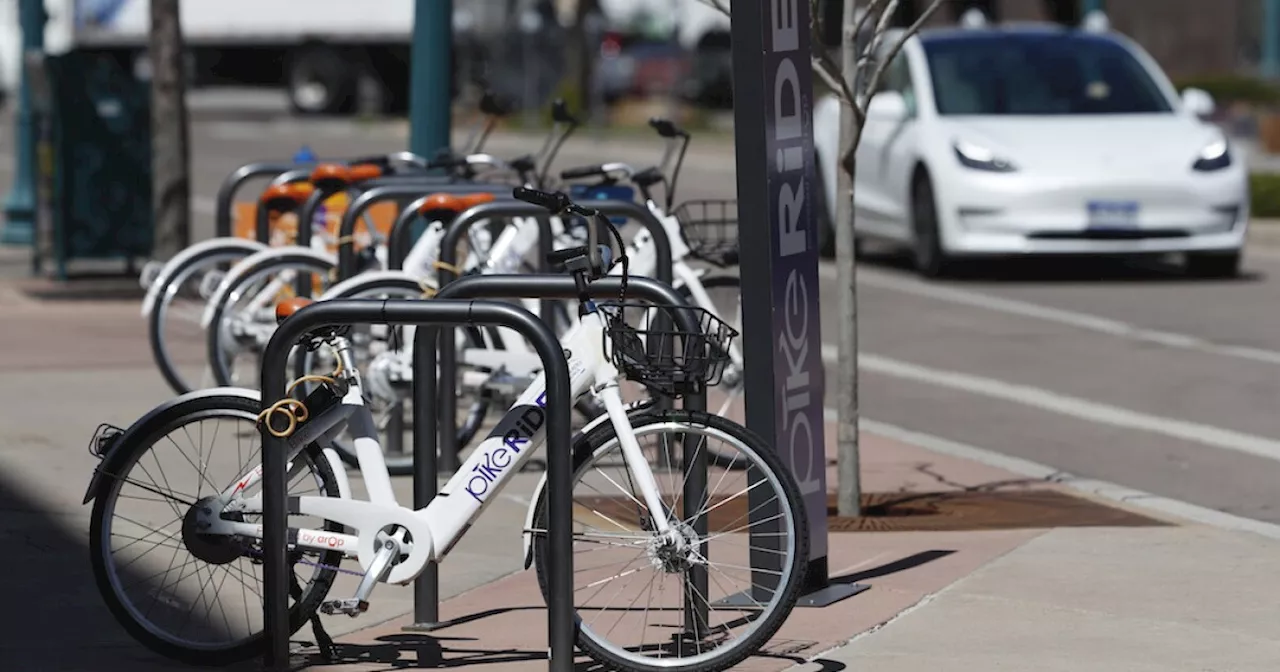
[888,137]
[901,148]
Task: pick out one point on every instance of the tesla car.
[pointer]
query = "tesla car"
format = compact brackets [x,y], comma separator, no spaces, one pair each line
[1038,139]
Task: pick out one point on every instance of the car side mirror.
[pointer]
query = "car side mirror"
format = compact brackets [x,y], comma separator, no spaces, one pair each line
[1198,102]
[889,105]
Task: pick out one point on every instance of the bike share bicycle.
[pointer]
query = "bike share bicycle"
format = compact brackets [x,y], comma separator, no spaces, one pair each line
[645,524]
[194,273]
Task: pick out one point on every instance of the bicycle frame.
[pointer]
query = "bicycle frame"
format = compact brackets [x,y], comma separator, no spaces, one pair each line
[436,528]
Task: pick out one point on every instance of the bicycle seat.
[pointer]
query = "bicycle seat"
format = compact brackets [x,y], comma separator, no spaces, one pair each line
[286,196]
[330,177]
[285,309]
[454,203]
[363,171]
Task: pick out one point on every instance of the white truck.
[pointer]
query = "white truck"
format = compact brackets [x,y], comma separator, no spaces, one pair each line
[318,50]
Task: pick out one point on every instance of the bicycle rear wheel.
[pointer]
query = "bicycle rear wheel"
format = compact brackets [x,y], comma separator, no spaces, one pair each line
[632,615]
[187,595]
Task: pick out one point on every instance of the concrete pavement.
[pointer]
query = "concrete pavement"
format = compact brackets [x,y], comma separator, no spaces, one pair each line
[1089,595]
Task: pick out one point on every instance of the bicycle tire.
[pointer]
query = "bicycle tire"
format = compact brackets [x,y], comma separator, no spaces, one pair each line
[124,455]
[585,448]
[155,316]
[213,334]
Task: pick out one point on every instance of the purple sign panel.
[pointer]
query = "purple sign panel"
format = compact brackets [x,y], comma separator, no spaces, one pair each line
[782,341]
[797,325]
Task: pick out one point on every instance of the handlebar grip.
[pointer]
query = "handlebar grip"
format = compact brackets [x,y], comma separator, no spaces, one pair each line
[666,128]
[585,171]
[560,113]
[554,201]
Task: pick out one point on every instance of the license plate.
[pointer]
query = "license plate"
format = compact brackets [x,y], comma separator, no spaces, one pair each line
[1113,214]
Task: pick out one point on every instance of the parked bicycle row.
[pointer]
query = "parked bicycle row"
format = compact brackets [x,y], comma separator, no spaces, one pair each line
[634,456]
[220,291]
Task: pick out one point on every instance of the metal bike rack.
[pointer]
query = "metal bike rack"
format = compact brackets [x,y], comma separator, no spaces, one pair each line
[560,618]
[436,388]
[376,192]
[461,224]
[237,179]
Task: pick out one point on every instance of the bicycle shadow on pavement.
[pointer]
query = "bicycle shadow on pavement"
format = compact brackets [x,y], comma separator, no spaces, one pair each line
[58,620]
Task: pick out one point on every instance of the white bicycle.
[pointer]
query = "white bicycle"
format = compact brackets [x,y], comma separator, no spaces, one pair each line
[630,616]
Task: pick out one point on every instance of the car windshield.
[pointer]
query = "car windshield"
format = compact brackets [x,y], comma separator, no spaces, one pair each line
[1039,74]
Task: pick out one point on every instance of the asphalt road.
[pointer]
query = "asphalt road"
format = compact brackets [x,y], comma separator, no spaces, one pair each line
[1126,374]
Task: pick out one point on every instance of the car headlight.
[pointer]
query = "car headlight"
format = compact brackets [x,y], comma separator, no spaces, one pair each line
[981,158]
[1215,156]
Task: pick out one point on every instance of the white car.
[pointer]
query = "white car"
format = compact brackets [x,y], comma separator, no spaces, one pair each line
[1038,139]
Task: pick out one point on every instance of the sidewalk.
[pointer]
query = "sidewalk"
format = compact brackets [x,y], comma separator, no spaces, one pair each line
[1071,582]
[984,568]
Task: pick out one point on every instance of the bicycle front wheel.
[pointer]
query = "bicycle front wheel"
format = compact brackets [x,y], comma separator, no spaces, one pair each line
[700,599]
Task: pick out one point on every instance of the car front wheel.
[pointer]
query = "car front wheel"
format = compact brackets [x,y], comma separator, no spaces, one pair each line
[931,260]
[1213,265]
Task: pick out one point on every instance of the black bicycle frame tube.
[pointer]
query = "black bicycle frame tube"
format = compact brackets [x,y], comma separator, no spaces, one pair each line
[439,428]
[560,617]
[225,199]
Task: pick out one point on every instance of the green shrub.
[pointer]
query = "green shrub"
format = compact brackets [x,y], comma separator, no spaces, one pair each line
[1227,89]
[1264,189]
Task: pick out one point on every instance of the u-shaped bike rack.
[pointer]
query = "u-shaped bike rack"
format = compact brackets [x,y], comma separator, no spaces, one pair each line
[377,191]
[436,313]
[430,393]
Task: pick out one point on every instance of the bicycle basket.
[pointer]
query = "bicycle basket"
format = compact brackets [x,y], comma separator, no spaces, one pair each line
[711,230]
[662,354]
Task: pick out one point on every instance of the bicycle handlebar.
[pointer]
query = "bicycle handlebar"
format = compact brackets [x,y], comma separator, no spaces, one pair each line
[667,128]
[600,170]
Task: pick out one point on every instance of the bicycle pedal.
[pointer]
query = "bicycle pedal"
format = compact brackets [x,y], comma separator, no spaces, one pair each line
[351,607]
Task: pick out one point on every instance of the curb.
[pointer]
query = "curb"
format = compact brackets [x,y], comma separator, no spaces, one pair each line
[1117,493]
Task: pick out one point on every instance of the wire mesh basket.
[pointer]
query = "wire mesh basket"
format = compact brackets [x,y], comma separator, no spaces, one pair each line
[662,352]
[710,229]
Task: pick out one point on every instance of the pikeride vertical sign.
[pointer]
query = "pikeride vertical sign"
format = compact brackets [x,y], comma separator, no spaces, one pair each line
[782,341]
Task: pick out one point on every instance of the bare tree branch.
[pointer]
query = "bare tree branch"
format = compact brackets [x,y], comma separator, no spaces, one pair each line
[874,83]
[717,4]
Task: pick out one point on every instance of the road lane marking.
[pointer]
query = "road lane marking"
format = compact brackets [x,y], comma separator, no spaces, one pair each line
[1062,404]
[1067,317]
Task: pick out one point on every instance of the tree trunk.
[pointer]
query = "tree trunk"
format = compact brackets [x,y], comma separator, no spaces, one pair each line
[170,153]
[581,60]
[848,476]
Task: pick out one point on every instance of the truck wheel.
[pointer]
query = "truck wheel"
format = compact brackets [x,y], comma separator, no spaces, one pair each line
[319,81]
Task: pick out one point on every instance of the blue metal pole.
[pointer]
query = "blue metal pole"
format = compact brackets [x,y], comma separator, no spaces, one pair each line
[1087,6]
[20,205]
[429,72]
[1271,38]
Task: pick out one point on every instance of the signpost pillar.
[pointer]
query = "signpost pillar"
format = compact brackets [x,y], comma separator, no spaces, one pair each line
[19,207]
[429,72]
[782,340]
